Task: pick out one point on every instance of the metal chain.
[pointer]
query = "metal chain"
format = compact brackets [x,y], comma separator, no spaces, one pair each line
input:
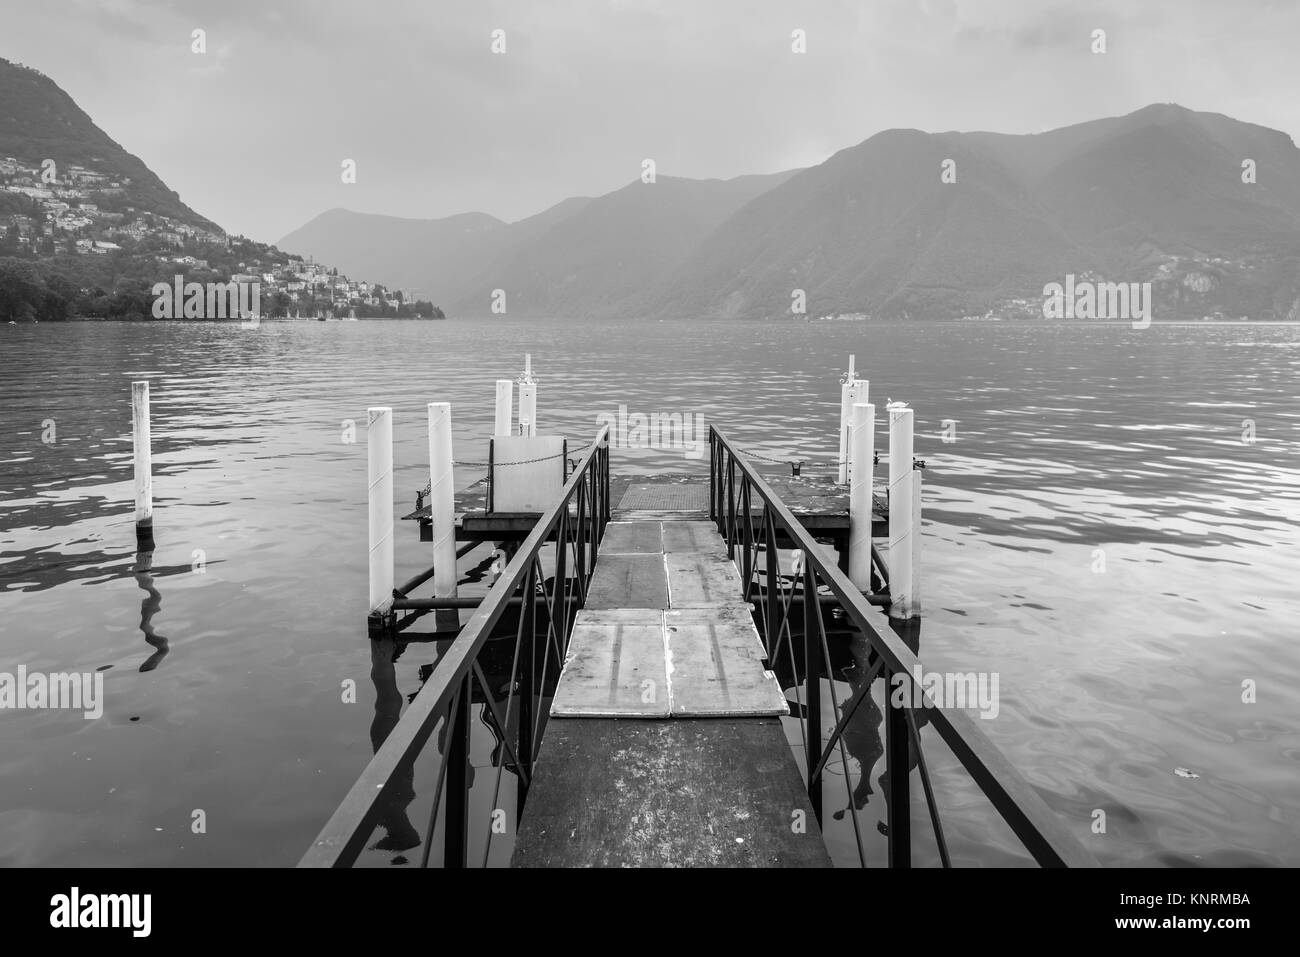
[833,464]
[428,486]
[799,463]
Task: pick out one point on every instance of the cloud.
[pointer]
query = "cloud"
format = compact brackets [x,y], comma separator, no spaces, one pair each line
[440,125]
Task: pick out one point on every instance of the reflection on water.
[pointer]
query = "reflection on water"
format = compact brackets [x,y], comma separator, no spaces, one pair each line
[1078,446]
[399,834]
[151,605]
[853,693]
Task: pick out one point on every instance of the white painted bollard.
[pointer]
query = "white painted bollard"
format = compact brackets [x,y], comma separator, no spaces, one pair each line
[904,516]
[527,399]
[442,500]
[379,454]
[142,455]
[528,408]
[863,444]
[852,392]
[505,410]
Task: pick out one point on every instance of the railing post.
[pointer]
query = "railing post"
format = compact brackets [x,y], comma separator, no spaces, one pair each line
[442,511]
[747,537]
[559,594]
[713,476]
[898,797]
[812,685]
[504,410]
[580,542]
[143,457]
[527,684]
[773,606]
[604,481]
[719,485]
[456,823]
[860,481]
[379,454]
[731,507]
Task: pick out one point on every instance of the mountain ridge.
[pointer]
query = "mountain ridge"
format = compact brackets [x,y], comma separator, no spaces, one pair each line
[1155,195]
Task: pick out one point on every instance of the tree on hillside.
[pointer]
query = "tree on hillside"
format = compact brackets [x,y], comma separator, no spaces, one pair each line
[25,296]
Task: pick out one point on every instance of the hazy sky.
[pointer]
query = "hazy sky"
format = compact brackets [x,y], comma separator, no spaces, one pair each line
[252,133]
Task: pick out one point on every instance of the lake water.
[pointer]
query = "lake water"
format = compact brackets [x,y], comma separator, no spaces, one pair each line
[1076,445]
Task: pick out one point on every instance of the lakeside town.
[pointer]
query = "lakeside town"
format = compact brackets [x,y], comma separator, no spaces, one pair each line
[55,217]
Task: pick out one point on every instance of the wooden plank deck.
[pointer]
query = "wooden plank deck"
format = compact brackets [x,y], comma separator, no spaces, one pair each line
[665,747]
[615,658]
[710,662]
[705,792]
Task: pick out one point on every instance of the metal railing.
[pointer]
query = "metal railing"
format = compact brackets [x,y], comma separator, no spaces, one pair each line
[545,613]
[755,523]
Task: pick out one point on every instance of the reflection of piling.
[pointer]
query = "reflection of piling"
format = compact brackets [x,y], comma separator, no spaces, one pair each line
[391,813]
[149,607]
[143,464]
[379,442]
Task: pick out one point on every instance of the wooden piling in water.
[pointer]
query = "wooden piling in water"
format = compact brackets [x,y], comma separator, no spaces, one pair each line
[852,392]
[379,454]
[863,445]
[442,507]
[904,515]
[504,411]
[143,460]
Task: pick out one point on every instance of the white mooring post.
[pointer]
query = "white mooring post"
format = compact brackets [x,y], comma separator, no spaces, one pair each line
[852,392]
[863,435]
[528,399]
[142,455]
[379,454]
[904,516]
[442,500]
[505,402]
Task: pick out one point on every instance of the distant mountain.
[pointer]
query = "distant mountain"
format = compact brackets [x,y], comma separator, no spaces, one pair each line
[1156,195]
[583,257]
[424,254]
[39,121]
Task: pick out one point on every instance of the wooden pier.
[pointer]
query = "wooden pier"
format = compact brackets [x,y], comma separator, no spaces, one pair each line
[645,620]
[665,681]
